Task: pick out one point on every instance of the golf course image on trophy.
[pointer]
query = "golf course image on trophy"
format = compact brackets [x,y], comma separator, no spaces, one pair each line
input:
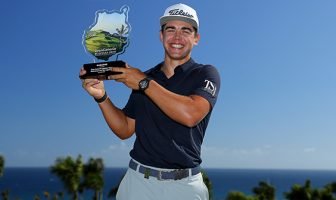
[103,44]
[108,35]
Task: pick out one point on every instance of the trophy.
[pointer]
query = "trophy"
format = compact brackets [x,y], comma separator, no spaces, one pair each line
[108,36]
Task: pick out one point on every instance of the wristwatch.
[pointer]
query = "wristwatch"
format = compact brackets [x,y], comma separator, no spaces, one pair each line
[144,83]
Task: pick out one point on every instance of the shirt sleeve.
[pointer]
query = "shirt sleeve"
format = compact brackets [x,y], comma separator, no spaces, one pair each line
[208,84]
[129,108]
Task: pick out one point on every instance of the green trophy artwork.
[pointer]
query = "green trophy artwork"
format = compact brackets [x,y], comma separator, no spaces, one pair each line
[108,36]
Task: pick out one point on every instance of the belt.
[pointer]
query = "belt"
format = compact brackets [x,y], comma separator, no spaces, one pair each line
[177,174]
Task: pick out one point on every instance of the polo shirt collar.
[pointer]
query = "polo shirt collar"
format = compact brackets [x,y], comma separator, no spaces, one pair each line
[184,67]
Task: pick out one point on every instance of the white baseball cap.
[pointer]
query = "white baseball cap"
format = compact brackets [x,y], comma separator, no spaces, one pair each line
[180,12]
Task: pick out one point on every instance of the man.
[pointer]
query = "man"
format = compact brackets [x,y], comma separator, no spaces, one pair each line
[169,110]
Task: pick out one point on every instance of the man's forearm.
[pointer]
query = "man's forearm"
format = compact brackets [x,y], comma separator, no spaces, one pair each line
[119,123]
[187,110]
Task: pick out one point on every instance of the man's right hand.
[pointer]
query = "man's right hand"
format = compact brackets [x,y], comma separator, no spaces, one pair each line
[94,87]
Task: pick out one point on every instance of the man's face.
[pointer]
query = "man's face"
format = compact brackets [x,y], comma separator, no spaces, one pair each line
[178,39]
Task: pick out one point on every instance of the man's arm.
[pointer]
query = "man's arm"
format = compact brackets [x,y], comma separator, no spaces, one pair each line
[187,110]
[119,123]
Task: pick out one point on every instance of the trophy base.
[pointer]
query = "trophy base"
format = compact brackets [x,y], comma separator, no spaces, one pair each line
[101,70]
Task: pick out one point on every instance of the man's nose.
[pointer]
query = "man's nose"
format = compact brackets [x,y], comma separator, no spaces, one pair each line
[178,33]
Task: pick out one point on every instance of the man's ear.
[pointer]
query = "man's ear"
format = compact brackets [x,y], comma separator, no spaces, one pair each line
[197,39]
[161,36]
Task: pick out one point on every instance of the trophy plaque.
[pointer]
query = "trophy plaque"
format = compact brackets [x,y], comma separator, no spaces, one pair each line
[108,36]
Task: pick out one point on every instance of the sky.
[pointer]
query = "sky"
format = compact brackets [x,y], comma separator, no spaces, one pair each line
[277,61]
[110,20]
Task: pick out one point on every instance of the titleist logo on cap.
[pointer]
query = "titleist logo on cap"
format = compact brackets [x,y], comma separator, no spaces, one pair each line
[180,12]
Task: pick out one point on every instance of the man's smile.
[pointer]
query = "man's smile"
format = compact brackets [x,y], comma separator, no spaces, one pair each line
[177,46]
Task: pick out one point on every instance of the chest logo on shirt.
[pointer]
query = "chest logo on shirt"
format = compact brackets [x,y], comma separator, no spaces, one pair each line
[210,87]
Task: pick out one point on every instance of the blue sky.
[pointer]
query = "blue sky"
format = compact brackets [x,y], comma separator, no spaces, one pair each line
[276,107]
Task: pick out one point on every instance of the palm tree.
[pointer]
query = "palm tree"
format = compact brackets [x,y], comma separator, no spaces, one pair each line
[123,30]
[93,177]
[264,191]
[299,192]
[70,172]
[5,195]
[323,194]
[306,192]
[2,165]
[59,195]
[235,195]
[328,192]
[46,194]
[332,187]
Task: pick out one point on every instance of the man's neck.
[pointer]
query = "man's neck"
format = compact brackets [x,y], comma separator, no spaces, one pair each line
[169,65]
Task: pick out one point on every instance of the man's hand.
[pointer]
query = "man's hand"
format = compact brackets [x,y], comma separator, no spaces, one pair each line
[129,76]
[94,87]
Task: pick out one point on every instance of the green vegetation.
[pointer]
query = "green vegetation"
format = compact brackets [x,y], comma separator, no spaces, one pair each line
[5,193]
[263,191]
[93,177]
[236,195]
[2,165]
[306,192]
[123,30]
[70,172]
[103,45]
[266,191]
[77,176]
[208,184]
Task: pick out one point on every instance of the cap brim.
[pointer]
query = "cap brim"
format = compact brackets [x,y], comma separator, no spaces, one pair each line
[164,20]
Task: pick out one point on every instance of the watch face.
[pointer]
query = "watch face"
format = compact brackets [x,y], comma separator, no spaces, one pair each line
[143,84]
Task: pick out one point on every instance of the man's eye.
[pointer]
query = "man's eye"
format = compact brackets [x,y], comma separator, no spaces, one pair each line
[187,31]
[170,30]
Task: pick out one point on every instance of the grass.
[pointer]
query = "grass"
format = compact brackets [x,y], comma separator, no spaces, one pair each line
[97,41]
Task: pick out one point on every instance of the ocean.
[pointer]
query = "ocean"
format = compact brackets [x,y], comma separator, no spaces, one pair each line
[26,183]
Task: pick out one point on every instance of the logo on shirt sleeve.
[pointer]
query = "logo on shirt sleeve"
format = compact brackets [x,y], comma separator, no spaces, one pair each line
[210,87]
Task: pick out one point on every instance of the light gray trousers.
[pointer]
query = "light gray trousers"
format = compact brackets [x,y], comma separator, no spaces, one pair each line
[135,187]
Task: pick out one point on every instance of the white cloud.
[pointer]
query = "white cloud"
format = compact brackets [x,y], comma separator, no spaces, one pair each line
[122,146]
[115,155]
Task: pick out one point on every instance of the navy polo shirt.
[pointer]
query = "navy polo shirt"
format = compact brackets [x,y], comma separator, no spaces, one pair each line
[161,141]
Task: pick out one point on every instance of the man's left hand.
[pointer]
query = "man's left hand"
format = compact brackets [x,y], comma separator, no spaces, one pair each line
[129,76]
